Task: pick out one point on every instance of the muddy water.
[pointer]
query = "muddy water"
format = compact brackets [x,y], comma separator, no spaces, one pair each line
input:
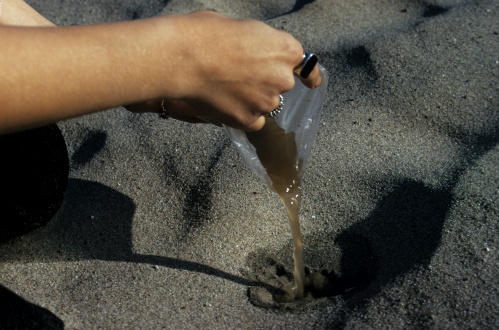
[277,152]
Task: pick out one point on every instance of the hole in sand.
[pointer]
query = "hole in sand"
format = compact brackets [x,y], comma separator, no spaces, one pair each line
[336,266]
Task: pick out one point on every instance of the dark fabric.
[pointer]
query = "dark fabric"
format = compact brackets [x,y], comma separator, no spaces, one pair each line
[34,169]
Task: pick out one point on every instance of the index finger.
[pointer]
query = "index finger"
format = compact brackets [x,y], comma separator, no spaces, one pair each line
[308,71]
[313,80]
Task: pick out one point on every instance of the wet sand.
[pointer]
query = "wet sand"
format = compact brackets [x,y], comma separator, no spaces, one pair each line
[163,225]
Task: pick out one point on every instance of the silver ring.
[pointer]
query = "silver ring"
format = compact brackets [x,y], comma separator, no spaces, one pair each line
[307,64]
[279,108]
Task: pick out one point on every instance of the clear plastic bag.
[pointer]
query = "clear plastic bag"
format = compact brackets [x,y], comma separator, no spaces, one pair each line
[300,117]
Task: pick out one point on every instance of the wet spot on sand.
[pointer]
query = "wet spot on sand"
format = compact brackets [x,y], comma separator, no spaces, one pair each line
[358,62]
[134,13]
[359,57]
[434,10]
[300,4]
[198,199]
[93,144]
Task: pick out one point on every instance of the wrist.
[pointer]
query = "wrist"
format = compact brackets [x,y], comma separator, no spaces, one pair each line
[179,61]
[163,63]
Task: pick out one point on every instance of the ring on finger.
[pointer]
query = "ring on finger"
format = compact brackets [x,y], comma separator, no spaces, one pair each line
[307,64]
[279,108]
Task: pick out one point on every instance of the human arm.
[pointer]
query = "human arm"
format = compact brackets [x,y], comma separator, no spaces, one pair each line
[203,64]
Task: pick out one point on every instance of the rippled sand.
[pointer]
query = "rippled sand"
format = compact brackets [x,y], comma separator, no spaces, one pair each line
[164,226]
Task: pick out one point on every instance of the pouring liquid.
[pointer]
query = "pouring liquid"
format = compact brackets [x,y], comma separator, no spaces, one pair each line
[277,152]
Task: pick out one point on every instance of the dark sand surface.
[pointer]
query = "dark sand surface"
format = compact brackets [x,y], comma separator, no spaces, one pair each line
[163,225]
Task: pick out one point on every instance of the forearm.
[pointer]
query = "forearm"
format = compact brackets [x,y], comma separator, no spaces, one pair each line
[52,74]
[18,12]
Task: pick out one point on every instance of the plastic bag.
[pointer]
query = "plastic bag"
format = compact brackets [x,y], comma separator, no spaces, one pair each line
[278,154]
[299,119]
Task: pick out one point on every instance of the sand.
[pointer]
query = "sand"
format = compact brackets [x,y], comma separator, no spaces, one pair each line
[164,226]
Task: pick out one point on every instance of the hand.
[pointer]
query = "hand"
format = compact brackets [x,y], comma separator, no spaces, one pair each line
[234,70]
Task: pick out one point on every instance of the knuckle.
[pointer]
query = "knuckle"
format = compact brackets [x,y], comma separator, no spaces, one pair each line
[294,49]
[284,81]
[292,45]
[288,82]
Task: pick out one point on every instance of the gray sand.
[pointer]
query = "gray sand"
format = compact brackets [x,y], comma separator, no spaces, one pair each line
[163,225]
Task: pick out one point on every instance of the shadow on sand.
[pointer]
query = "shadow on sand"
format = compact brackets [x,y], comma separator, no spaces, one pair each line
[95,222]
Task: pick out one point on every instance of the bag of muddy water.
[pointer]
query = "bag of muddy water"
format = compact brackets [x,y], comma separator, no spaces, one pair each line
[278,153]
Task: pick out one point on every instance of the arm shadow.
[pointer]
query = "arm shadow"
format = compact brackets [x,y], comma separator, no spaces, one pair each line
[95,222]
